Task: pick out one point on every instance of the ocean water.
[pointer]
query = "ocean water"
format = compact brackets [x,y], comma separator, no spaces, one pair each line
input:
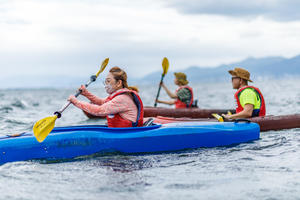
[268,168]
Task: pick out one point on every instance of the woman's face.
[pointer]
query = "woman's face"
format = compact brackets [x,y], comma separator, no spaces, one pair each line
[176,81]
[111,84]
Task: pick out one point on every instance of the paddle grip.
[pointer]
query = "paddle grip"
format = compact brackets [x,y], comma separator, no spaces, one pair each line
[78,93]
[93,78]
[58,114]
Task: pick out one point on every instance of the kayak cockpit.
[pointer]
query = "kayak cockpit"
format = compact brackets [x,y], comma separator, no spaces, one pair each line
[104,128]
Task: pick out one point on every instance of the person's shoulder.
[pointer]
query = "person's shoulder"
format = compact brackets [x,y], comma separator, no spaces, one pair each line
[123,97]
[183,90]
[248,92]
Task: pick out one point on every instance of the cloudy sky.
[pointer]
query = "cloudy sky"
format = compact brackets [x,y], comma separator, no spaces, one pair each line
[72,37]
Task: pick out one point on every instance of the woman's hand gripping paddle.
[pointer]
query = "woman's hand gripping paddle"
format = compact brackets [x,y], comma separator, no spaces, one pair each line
[43,127]
[165,66]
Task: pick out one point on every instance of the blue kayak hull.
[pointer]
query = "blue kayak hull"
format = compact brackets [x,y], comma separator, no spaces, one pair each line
[74,141]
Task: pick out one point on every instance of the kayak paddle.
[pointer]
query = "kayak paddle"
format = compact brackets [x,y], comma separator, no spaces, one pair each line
[165,66]
[43,127]
[219,117]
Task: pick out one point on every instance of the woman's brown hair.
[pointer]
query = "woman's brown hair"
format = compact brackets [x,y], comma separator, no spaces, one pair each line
[120,74]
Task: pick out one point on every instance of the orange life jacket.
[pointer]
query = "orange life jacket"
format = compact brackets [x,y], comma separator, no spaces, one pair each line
[256,112]
[117,121]
[180,104]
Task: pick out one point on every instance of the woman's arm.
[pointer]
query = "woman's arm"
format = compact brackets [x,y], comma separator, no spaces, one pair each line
[94,99]
[172,102]
[117,105]
[171,95]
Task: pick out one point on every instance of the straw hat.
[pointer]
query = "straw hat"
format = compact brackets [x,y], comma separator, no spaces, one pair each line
[241,73]
[181,78]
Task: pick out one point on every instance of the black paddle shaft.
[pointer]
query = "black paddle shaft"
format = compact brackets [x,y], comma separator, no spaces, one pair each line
[58,113]
[161,81]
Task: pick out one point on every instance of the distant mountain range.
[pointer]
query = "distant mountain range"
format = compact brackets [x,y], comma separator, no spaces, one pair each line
[274,67]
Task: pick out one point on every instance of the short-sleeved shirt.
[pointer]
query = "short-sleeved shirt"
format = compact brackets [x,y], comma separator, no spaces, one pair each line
[249,96]
[184,95]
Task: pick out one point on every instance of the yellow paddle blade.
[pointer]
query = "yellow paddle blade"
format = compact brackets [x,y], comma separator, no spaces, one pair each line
[229,113]
[218,117]
[103,65]
[165,65]
[43,127]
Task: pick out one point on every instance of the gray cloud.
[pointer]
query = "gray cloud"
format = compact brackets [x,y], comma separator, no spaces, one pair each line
[279,10]
[76,47]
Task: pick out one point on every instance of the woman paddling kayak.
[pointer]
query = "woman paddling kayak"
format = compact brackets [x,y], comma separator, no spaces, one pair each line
[122,108]
[183,96]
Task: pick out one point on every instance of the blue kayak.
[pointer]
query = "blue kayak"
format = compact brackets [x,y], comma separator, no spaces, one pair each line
[74,141]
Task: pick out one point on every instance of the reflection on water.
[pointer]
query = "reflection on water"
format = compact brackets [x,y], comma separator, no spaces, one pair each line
[268,168]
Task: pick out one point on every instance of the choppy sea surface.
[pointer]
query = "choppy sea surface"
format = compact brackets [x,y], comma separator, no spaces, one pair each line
[268,168]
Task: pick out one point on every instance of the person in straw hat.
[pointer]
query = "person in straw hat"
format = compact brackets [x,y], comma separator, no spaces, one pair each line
[249,99]
[183,96]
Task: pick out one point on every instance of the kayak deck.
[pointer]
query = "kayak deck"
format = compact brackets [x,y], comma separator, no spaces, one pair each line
[266,123]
